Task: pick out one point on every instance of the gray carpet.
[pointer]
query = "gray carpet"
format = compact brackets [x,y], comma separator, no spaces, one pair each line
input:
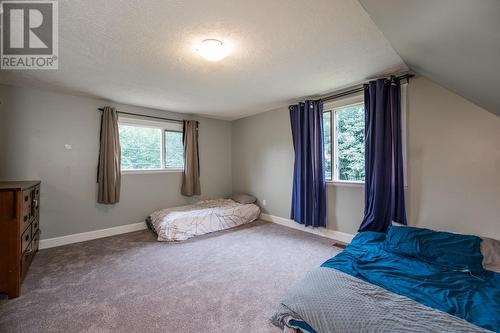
[230,281]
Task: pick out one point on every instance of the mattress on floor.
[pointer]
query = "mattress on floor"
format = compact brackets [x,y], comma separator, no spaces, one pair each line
[327,301]
[181,223]
[368,287]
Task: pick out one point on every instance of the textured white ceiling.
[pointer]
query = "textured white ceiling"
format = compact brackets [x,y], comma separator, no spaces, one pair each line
[453,42]
[141,53]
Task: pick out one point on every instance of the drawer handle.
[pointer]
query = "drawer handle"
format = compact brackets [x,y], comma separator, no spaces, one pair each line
[27,238]
[26,198]
[35,226]
[25,218]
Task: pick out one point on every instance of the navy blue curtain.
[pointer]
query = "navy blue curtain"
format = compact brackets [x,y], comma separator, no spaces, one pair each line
[384,177]
[309,187]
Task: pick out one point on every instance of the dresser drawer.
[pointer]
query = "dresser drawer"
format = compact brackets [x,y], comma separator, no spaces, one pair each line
[26,209]
[25,221]
[27,199]
[36,201]
[26,239]
[35,242]
[35,225]
[26,259]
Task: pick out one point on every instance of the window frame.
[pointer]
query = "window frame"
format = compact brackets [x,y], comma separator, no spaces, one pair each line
[164,148]
[164,126]
[332,107]
[328,180]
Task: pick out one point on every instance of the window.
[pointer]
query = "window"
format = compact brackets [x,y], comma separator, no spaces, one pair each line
[327,141]
[174,150]
[150,145]
[344,125]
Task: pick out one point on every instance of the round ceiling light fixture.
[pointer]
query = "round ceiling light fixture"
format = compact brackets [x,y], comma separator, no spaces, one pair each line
[212,49]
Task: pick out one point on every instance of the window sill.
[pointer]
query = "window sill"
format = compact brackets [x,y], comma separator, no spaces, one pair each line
[345,183]
[150,171]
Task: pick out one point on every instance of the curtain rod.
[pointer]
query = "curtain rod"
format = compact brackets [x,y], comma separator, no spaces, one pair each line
[360,89]
[143,115]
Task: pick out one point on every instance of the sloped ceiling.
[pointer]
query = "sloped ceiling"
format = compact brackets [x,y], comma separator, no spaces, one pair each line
[456,43]
[141,53]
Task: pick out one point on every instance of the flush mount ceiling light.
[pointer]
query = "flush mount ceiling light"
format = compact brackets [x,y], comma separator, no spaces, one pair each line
[212,49]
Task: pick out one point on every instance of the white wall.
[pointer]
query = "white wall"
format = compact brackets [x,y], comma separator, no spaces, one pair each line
[37,126]
[453,165]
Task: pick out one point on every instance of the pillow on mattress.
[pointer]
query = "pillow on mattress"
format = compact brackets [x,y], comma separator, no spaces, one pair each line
[243,198]
[446,249]
[490,249]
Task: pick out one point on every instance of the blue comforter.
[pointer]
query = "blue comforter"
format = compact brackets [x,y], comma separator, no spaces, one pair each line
[475,298]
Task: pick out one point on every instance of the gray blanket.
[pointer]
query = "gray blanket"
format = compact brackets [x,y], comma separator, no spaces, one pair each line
[332,301]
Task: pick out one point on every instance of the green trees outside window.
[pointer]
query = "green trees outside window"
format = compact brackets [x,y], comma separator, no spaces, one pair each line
[141,148]
[344,145]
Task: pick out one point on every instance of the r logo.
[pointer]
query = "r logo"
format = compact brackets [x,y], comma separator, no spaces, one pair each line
[29,34]
[27,28]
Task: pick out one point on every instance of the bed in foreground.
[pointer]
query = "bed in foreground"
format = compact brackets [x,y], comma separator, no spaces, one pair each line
[412,280]
[181,223]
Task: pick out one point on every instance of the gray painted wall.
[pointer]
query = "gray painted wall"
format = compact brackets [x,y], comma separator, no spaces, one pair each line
[453,150]
[454,158]
[3,140]
[40,123]
[263,159]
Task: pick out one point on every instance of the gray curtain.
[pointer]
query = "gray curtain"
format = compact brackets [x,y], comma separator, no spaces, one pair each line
[108,173]
[191,176]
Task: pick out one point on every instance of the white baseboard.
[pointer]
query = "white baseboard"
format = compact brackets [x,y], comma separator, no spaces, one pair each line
[340,236]
[89,235]
[122,229]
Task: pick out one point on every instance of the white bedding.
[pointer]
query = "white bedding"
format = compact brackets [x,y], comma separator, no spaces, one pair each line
[181,223]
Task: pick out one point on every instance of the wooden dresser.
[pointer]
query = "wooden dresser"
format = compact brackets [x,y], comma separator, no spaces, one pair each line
[19,232]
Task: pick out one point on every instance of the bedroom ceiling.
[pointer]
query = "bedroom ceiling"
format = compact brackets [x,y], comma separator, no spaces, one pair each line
[141,53]
[456,43]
